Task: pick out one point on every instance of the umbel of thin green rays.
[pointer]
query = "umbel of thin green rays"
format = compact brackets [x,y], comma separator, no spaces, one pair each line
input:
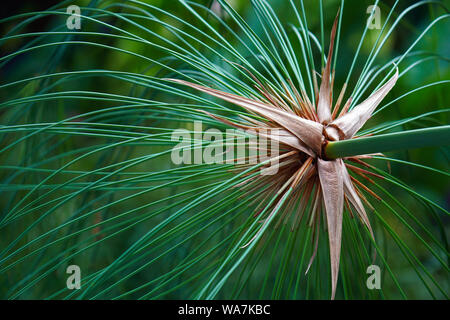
[227,237]
[306,130]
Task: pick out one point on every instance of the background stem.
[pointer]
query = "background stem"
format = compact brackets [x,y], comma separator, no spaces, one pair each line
[428,137]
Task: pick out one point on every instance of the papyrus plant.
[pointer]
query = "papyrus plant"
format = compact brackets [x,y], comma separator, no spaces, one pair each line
[92,184]
[307,131]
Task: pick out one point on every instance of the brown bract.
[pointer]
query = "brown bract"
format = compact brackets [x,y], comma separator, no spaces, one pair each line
[302,130]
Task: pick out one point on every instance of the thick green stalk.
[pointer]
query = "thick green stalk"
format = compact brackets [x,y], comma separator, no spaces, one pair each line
[428,137]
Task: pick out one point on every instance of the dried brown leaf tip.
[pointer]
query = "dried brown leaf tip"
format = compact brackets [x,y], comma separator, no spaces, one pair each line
[317,185]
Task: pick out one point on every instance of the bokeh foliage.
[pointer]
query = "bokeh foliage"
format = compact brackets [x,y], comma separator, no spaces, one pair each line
[96,207]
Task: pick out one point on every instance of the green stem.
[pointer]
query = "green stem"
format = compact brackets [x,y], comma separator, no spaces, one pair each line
[428,137]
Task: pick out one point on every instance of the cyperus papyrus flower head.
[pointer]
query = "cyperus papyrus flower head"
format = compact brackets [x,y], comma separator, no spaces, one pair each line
[303,129]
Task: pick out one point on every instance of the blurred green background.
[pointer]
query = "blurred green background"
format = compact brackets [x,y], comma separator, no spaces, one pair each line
[13,187]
